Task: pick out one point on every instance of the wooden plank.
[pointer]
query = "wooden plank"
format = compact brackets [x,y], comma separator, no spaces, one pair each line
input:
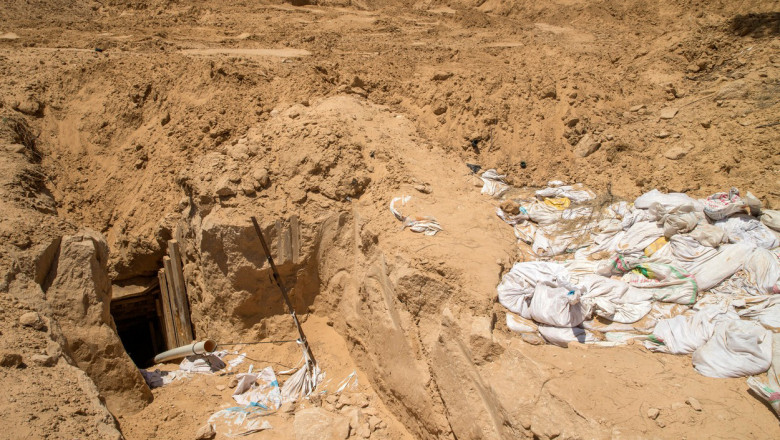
[286,246]
[181,289]
[295,239]
[279,244]
[171,339]
[175,307]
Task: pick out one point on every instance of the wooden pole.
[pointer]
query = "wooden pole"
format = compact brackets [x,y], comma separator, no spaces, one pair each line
[280,284]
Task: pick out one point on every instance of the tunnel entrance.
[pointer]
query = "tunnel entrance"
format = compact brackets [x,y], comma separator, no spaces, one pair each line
[138,315]
[152,314]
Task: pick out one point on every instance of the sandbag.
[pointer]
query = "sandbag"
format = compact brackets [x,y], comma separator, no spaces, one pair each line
[678,223]
[576,193]
[638,237]
[771,218]
[709,235]
[712,268]
[558,306]
[493,184]
[562,336]
[517,286]
[663,282]
[742,227]
[753,204]
[721,205]
[525,232]
[519,324]
[766,314]
[684,334]
[762,269]
[770,390]
[614,299]
[737,348]
[667,201]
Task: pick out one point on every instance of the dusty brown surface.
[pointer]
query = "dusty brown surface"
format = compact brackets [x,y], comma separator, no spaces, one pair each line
[195,115]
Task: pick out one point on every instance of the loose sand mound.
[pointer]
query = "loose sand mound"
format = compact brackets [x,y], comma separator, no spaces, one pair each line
[150,120]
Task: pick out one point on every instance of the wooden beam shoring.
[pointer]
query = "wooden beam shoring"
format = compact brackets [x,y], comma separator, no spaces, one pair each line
[295,239]
[171,338]
[181,290]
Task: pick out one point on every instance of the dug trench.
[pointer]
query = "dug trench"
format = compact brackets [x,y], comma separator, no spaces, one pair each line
[196,143]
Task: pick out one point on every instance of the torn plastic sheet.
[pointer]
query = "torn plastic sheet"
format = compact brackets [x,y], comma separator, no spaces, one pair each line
[427,225]
[348,383]
[240,420]
[203,363]
[195,364]
[259,388]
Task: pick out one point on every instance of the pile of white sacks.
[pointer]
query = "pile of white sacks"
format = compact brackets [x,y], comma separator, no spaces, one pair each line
[681,275]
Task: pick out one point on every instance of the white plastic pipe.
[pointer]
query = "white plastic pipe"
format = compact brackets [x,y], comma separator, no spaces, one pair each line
[202,347]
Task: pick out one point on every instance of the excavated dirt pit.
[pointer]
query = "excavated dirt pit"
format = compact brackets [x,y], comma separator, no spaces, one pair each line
[125,126]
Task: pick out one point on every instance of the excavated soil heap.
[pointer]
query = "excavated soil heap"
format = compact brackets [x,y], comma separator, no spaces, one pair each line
[125,125]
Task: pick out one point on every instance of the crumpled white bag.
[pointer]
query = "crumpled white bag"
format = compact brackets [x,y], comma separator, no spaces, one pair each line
[709,235]
[745,228]
[737,348]
[667,201]
[684,334]
[556,305]
[517,286]
[493,184]
[562,336]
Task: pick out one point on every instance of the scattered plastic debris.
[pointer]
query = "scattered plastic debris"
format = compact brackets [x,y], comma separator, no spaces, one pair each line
[427,225]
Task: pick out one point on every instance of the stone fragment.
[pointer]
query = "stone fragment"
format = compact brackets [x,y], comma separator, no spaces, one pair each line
[287,407]
[586,146]
[30,107]
[43,360]
[441,76]
[694,403]
[653,413]
[205,432]
[668,113]
[221,387]
[510,207]
[439,108]
[10,360]
[79,297]
[261,178]
[364,431]
[423,188]
[32,319]
[636,108]
[15,148]
[374,422]
[733,90]
[318,424]
[678,151]
[532,338]
[248,189]
[223,188]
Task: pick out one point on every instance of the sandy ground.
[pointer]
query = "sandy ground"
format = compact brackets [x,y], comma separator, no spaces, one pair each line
[130,103]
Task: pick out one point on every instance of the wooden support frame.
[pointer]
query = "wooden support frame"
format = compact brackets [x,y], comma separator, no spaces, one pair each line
[171,336]
[182,303]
